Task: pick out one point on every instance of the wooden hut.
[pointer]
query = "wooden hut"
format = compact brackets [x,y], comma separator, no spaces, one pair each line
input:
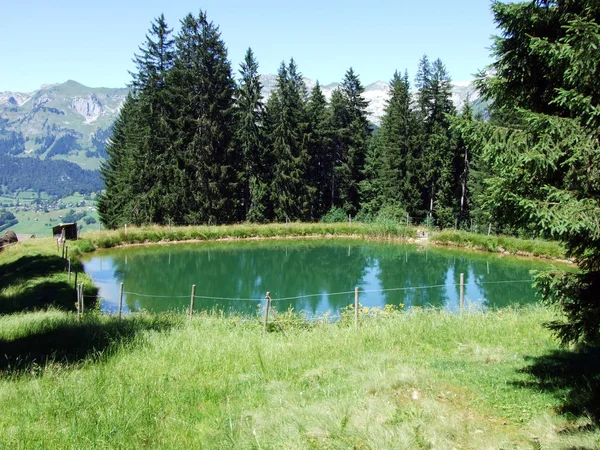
[70,230]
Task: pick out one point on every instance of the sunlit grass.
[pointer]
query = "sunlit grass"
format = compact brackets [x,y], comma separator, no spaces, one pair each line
[424,379]
[513,245]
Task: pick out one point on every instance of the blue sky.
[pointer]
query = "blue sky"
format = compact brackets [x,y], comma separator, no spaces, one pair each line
[94,42]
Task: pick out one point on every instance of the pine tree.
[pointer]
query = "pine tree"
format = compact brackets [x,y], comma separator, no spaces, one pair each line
[546,163]
[249,139]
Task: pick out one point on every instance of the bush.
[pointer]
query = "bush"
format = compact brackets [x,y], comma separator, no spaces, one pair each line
[391,213]
[335,215]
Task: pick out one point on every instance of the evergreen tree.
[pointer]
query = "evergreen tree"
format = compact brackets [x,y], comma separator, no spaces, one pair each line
[286,129]
[249,139]
[400,154]
[434,106]
[319,143]
[138,187]
[349,119]
[205,86]
[546,163]
[117,200]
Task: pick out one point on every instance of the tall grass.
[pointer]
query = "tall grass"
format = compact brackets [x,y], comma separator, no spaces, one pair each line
[424,379]
[152,234]
[513,245]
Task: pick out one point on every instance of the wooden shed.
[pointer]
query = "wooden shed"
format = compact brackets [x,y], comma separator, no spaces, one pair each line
[70,230]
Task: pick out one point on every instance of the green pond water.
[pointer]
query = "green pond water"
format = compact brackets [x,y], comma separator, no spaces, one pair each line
[315,276]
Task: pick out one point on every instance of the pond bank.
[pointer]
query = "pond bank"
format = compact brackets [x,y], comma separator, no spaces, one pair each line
[155,235]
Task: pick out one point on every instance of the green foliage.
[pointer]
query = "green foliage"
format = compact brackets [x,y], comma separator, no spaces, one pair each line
[545,156]
[335,215]
[55,177]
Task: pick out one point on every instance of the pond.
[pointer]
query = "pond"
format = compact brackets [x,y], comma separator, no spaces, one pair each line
[315,276]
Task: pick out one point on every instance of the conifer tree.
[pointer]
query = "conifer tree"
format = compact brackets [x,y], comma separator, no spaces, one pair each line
[286,127]
[434,106]
[250,140]
[116,201]
[205,88]
[546,164]
[319,143]
[148,144]
[400,152]
[349,119]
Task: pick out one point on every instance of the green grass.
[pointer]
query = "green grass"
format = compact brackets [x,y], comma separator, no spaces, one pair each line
[425,379]
[153,234]
[421,379]
[516,246]
[34,276]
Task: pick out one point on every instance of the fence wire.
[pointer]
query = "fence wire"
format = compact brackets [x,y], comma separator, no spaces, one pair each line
[320,294]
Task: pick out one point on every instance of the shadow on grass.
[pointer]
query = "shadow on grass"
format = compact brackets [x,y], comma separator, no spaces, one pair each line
[67,343]
[49,293]
[52,291]
[574,378]
[27,267]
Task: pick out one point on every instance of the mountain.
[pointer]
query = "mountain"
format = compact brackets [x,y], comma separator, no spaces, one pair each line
[60,121]
[377,94]
[73,122]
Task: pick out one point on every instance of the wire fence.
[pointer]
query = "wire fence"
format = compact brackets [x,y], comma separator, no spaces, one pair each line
[266,302]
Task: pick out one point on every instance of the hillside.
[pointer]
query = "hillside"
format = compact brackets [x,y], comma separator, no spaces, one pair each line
[73,122]
[62,121]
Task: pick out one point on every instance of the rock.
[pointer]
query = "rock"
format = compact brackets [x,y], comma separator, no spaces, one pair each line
[10,237]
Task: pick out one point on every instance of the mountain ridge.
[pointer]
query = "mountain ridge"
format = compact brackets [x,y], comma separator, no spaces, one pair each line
[72,121]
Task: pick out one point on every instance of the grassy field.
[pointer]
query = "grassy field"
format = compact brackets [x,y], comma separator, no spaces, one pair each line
[424,379]
[419,380]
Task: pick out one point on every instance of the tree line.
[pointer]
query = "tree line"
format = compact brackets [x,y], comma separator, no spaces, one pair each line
[193,146]
[55,177]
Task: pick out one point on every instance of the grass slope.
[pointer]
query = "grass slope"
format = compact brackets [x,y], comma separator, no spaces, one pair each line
[421,379]
[425,379]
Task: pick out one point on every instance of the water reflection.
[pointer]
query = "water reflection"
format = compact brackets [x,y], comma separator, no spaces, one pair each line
[160,277]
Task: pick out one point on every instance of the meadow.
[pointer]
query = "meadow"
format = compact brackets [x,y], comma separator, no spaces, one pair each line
[423,378]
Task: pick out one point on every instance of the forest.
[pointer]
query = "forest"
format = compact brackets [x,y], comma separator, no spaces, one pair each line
[193,146]
[55,177]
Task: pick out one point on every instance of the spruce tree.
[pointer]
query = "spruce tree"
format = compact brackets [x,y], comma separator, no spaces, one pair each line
[116,201]
[352,132]
[286,129]
[319,142]
[249,139]
[434,106]
[142,141]
[205,87]
[400,152]
[546,164]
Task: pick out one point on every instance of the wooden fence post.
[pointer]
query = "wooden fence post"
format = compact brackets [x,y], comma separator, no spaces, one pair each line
[462,292]
[490,229]
[267,307]
[75,284]
[81,298]
[192,300]
[78,304]
[356,308]
[121,301]
[69,270]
